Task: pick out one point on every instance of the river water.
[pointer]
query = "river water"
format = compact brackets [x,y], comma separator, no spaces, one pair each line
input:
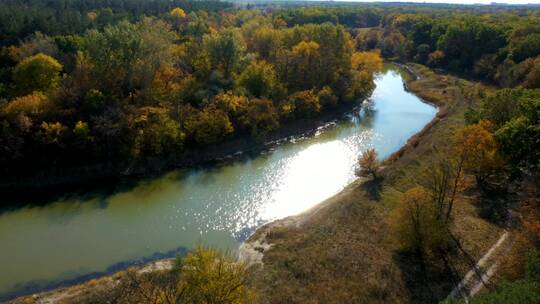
[220,206]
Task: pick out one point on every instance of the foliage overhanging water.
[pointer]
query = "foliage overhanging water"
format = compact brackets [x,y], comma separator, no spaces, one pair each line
[218,207]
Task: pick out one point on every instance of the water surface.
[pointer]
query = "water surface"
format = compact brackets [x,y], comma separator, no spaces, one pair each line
[218,206]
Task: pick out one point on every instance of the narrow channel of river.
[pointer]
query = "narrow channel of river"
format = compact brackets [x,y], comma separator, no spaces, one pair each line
[218,207]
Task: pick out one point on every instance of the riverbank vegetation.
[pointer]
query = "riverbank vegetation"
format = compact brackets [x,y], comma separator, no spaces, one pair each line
[126,91]
[131,83]
[443,200]
[121,86]
[202,276]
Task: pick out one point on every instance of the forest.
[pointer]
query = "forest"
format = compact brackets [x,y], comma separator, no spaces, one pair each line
[89,82]
[127,83]
[120,85]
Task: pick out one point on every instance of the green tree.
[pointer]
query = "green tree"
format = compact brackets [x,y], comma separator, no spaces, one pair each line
[266,42]
[259,117]
[126,56]
[520,137]
[210,277]
[210,125]
[37,73]
[306,65]
[224,49]
[501,107]
[327,98]
[302,104]
[526,47]
[81,132]
[154,132]
[260,79]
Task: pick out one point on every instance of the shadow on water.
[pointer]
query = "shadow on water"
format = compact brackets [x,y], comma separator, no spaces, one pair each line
[46,285]
[103,187]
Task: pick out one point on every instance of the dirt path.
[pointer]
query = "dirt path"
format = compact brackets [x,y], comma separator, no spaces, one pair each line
[477,278]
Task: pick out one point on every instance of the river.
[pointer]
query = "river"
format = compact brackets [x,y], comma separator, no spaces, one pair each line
[80,237]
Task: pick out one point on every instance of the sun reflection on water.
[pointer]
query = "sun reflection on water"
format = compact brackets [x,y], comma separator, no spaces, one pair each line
[218,207]
[309,177]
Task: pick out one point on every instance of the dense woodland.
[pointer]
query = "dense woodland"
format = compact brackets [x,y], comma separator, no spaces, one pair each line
[120,85]
[87,82]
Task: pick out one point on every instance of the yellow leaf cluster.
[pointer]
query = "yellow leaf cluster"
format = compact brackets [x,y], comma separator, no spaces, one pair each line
[178,13]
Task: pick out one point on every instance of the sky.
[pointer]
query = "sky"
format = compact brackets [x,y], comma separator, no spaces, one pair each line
[461,1]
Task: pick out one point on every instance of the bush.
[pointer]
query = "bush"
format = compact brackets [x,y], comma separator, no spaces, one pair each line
[302,104]
[203,276]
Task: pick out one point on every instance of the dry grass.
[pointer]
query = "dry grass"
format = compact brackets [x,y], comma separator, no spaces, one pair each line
[345,253]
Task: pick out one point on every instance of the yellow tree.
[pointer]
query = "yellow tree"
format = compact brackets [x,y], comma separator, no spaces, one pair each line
[178,13]
[363,65]
[204,276]
[417,227]
[532,80]
[477,150]
[231,103]
[35,105]
[166,83]
[53,133]
[210,277]
[92,16]
[369,62]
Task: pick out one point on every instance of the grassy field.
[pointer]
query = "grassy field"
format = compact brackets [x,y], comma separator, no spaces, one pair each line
[343,251]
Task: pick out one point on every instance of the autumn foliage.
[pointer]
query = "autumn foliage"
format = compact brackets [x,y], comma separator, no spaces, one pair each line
[368,164]
[203,276]
[162,85]
[477,150]
[416,223]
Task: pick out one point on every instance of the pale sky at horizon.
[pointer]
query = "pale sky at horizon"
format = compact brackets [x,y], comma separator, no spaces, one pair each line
[458,1]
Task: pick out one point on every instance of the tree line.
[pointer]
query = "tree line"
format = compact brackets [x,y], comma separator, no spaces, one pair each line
[20,19]
[133,90]
[501,47]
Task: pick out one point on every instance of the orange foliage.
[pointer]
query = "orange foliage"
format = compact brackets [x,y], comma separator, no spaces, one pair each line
[369,164]
[477,150]
[367,61]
